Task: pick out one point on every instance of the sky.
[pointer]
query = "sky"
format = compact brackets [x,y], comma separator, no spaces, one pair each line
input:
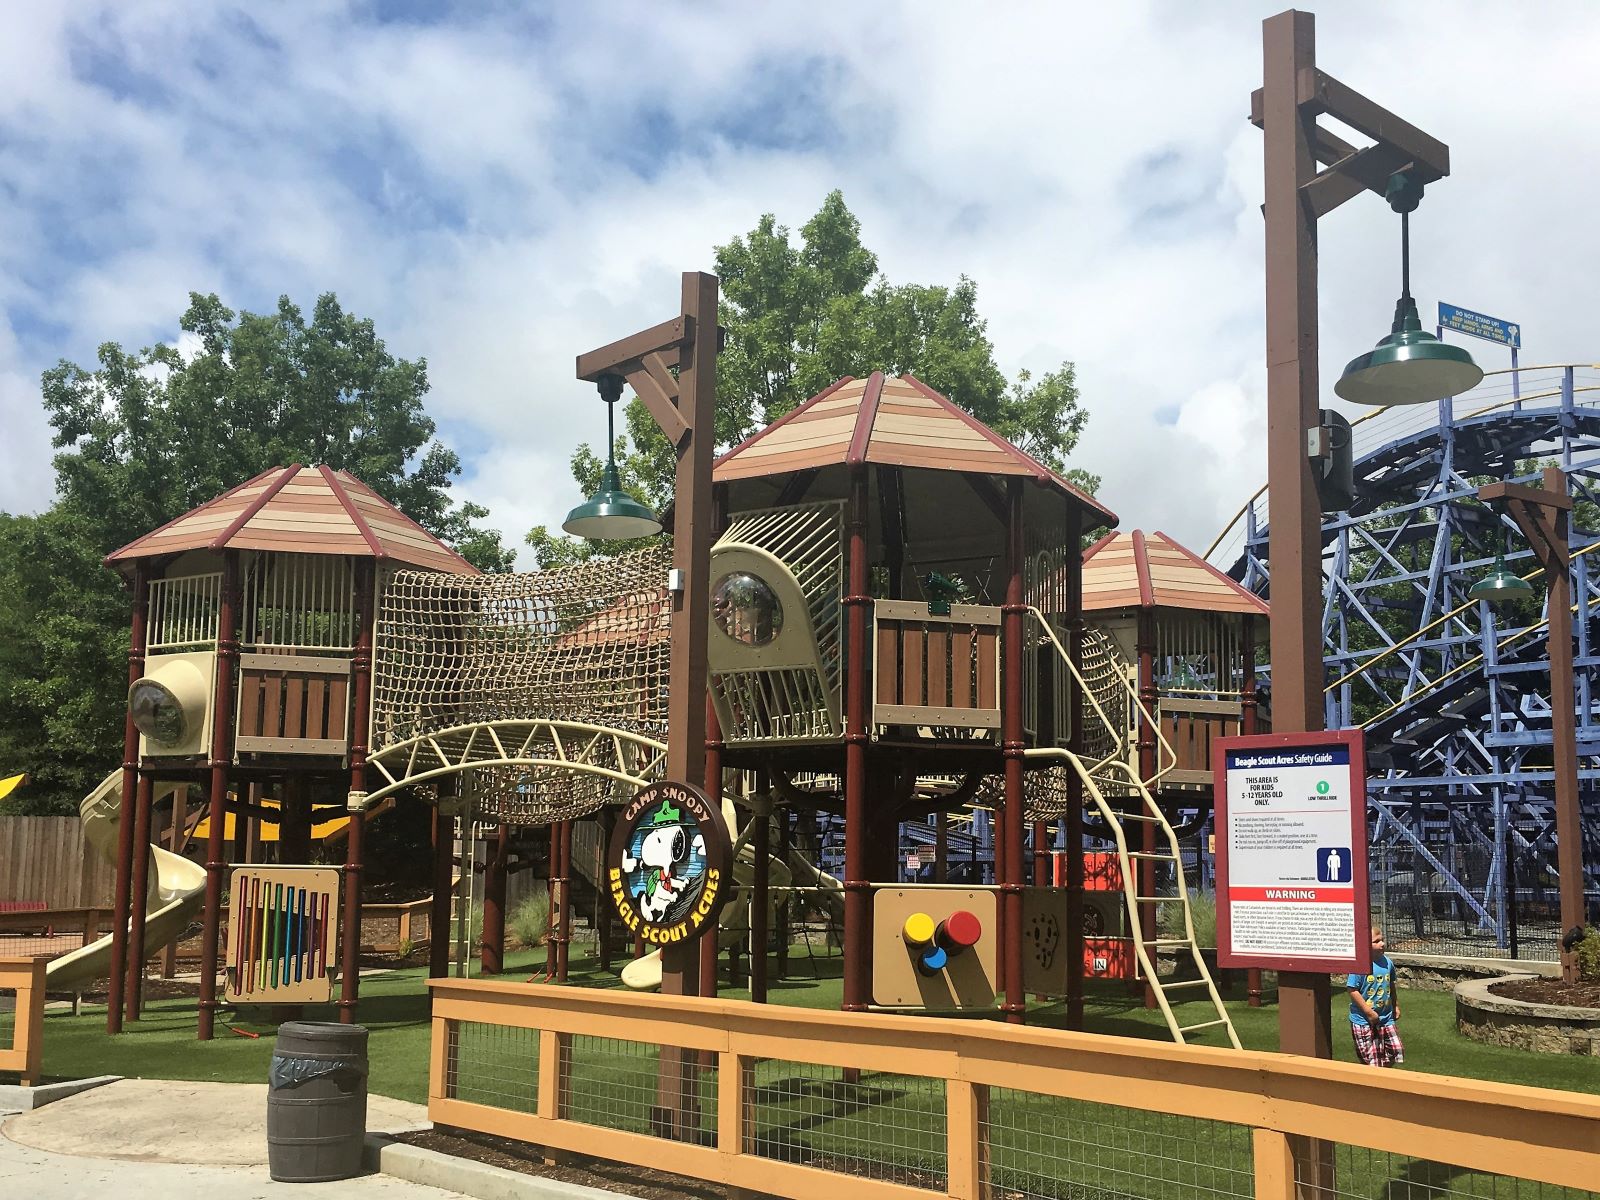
[501,186]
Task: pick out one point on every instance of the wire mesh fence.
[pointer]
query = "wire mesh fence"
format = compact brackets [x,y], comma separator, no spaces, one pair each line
[618,1084]
[1365,1174]
[869,1125]
[1044,1148]
[1465,901]
[497,1065]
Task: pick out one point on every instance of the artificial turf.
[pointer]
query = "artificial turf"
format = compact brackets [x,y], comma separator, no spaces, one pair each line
[394,1007]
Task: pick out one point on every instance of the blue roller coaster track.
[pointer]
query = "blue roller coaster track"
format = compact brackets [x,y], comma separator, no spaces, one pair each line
[1454,696]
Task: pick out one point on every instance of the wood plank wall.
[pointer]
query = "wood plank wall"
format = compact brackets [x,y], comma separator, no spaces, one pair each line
[47,859]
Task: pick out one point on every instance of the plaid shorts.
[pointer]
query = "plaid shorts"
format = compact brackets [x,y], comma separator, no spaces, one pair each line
[1380,1047]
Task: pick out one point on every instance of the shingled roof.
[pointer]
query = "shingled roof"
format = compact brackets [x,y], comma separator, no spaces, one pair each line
[301,510]
[896,421]
[1151,570]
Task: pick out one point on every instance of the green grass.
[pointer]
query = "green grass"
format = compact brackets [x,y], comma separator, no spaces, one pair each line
[887,1126]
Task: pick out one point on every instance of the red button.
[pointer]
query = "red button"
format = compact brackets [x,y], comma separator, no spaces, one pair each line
[960,930]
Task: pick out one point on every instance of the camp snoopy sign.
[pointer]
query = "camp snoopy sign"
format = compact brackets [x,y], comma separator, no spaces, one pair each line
[668,864]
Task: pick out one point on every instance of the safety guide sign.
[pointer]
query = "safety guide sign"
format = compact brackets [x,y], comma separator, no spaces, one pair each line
[1292,851]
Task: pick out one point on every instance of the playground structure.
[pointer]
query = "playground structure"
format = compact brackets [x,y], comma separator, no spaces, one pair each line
[1454,696]
[895,630]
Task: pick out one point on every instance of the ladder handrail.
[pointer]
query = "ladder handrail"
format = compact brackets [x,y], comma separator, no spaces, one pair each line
[1120,736]
[1130,890]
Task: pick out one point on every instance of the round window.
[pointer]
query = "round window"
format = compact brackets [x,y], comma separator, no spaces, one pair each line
[746,608]
[156,712]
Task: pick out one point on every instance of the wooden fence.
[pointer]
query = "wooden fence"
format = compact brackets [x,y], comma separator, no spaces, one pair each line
[47,860]
[24,977]
[804,1103]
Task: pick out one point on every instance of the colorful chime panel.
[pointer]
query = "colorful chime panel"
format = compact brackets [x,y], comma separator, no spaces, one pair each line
[283,934]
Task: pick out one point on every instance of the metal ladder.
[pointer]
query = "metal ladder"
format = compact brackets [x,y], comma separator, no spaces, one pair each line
[1116,768]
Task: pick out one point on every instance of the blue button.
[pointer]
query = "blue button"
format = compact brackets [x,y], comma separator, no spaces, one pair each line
[933,960]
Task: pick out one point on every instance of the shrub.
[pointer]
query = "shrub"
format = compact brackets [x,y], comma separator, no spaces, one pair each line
[405,948]
[1203,906]
[1588,955]
[530,920]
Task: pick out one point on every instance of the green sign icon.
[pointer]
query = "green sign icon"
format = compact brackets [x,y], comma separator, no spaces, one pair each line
[1322,787]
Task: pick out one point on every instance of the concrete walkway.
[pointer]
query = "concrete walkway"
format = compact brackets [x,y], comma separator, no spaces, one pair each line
[159,1138]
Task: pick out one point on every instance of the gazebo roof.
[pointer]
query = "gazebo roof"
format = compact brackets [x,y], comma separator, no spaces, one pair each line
[299,510]
[894,421]
[1151,570]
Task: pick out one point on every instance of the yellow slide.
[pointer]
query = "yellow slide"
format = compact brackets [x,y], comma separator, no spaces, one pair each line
[177,889]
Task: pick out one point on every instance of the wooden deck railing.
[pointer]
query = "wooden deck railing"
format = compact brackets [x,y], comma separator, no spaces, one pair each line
[26,977]
[522,1062]
[936,670]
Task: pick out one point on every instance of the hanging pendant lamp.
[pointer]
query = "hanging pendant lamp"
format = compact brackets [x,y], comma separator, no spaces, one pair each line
[1500,586]
[611,513]
[1410,365]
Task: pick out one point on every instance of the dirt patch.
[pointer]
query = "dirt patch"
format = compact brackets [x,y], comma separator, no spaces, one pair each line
[1549,991]
[155,988]
[527,1160]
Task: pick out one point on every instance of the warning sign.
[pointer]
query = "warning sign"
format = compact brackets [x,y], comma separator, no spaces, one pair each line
[1291,852]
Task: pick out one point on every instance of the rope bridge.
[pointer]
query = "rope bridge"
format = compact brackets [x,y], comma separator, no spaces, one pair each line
[550,687]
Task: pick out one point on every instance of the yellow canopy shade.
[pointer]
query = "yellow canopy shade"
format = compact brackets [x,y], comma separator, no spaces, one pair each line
[11,784]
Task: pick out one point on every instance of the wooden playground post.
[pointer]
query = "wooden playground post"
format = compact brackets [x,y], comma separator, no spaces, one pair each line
[130,769]
[1074,831]
[1013,744]
[761,849]
[139,896]
[444,860]
[221,757]
[492,952]
[564,911]
[361,686]
[857,889]
[175,840]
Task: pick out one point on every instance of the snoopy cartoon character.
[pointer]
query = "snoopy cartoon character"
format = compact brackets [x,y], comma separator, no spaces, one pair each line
[664,855]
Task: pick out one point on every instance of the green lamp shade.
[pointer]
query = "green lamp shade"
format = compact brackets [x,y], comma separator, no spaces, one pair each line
[1410,366]
[611,514]
[1500,585]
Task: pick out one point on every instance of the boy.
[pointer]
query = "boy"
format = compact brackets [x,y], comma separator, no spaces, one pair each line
[1375,1011]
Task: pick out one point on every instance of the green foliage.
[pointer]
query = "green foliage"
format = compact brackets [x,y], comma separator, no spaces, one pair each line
[143,437]
[1588,955]
[798,318]
[404,948]
[530,920]
[1203,909]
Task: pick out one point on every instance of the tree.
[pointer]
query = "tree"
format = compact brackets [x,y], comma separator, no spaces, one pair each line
[798,318]
[146,436]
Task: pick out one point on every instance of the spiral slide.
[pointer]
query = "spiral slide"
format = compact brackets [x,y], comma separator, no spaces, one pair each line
[176,892]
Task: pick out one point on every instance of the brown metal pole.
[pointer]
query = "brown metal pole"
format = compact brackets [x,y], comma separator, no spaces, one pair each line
[444,859]
[180,818]
[761,848]
[492,951]
[1012,734]
[1249,715]
[355,850]
[857,889]
[564,912]
[1294,515]
[1145,873]
[139,896]
[130,771]
[221,758]
[1075,717]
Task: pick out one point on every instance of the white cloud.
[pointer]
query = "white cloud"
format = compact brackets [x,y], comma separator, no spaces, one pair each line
[504,191]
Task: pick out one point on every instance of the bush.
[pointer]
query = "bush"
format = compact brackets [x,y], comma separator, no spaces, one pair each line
[1203,906]
[1588,955]
[530,920]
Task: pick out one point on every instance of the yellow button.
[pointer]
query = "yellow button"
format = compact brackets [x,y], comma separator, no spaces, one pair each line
[918,929]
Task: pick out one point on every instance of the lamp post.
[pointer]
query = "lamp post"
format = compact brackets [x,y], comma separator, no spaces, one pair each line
[1293,95]
[684,408]
[1541,514]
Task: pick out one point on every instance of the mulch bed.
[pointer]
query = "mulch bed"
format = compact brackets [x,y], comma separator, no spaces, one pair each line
[527,1160]
[1549,991]
[155,988]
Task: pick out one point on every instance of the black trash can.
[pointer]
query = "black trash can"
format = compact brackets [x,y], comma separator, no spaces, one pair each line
[317,1102]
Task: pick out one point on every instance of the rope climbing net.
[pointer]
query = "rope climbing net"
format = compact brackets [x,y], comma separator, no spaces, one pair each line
[551,685]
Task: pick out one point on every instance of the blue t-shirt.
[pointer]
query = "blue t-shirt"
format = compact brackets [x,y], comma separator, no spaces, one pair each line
[1377,989]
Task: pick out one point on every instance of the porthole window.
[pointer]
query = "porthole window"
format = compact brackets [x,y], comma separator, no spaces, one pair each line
[746,608]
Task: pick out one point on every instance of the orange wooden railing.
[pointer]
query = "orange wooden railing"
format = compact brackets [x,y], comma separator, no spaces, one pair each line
[26,1053]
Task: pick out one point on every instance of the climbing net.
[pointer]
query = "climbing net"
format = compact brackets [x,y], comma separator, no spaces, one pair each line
[586,645]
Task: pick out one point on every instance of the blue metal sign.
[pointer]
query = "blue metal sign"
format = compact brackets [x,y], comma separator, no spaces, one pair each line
[1473,324]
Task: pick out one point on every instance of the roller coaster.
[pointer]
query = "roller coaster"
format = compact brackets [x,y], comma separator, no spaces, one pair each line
[1454,696]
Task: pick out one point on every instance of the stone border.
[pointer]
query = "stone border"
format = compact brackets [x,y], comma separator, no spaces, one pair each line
[1439,973]
[1541,1028]
[482,1181]
[15,1098]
